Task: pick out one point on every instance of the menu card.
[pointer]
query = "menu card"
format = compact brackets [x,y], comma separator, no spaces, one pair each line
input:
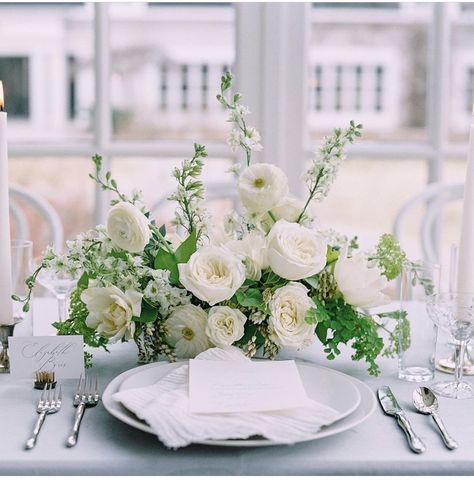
[233,386]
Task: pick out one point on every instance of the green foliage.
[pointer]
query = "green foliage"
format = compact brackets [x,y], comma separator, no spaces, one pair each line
[165,260]
[272,280]
[344,325]
[148,314]
[316,314]
[399,339]
[250,297]
[389,256]
[187,248]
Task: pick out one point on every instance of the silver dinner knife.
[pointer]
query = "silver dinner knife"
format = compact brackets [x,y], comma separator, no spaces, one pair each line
[390,406]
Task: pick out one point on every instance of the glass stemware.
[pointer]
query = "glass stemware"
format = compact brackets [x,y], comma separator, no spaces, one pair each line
[59,282]
[454,313]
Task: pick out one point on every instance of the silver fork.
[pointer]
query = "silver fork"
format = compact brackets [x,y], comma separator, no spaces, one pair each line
[47,404]
[87,395]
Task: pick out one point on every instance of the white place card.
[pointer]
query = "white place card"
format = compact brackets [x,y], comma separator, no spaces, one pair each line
[230,387]
[63,354]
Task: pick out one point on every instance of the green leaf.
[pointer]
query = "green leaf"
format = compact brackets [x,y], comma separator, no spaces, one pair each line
[148,314]
[251,297]
[162,230]
[119,254]
[322,332]
[187,248]
[332,255]
[312,281]
[164,260]
[83,282]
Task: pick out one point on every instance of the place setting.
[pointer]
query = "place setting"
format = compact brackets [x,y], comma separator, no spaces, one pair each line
[257,329]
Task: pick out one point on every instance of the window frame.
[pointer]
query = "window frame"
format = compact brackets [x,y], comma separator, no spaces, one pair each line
[271,58]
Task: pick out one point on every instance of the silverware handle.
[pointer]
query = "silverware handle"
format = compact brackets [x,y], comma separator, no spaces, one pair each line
[415,442]
[31,442]
[72,439]
[447,438]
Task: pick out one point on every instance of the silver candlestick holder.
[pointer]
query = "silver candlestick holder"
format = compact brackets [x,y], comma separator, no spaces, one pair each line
[5,332]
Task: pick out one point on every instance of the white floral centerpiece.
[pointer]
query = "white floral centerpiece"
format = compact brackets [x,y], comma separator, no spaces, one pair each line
[269,278]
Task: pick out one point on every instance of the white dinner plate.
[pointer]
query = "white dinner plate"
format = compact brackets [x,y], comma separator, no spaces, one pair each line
[354,401]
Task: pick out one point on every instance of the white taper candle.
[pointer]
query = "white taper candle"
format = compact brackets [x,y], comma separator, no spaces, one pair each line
[466,247]
[6,309]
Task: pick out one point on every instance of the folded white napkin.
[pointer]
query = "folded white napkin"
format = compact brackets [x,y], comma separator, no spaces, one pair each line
[164,406]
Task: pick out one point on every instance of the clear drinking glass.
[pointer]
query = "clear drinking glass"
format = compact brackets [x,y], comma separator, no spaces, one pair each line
[454,312]
[59,282]
[22,267]
[416,332]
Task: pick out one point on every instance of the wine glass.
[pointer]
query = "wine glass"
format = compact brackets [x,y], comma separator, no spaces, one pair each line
[454,313]
[60,283]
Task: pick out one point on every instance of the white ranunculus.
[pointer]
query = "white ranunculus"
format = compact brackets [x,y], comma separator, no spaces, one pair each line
[294,251]
[225,325]
[111,311]
[288,308]
[360,284]
[128,227]
[252,249]
[186,328]
[212,274]
[262,187]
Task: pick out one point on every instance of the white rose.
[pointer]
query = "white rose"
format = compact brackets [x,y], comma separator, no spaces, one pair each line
[187,331]
[111,311]
[128,227]
[294,251]
[288,307]
[225,325]
[212,274]
[262,187]
[360,284]
[252,249]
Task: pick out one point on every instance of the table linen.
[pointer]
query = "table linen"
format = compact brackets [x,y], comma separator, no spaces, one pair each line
[108,447]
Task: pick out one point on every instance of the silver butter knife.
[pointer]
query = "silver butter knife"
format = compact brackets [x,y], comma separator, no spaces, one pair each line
[390,406]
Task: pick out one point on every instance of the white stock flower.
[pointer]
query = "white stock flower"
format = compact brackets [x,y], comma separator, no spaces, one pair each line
[212,274]
[252,249]
[186,328]
[294,251]
[128,227]
[225,325]
[360,284]
[262,187]
[288,308]
[111,311]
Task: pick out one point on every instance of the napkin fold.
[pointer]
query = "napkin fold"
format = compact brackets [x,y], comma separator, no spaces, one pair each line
[164,406]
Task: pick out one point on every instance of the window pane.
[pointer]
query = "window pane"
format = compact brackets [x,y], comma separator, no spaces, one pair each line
[462,76]
[167,60]
[367,196]
[64,182]
[154,179]
[369,64]
[46,63]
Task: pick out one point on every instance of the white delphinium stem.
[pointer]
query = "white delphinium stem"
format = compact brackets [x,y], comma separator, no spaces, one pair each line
[190,193]
[323,170]
[242,135]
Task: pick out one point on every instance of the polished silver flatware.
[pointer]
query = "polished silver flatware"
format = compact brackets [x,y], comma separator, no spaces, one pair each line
[390,406]
[425,401]
[47,405]
[87,395]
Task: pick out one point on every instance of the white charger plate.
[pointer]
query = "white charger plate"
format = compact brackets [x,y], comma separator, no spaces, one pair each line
[354,400]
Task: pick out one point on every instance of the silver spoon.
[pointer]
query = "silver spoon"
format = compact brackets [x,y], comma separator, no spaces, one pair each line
[425,401]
